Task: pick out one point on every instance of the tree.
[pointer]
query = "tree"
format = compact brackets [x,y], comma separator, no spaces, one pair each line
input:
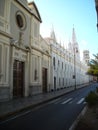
[93,70]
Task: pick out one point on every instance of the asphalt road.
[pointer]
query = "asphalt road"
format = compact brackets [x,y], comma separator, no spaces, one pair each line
[58,114]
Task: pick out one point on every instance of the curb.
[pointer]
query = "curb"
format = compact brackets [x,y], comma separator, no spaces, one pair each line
[31,106]
[25,108]
[78,118]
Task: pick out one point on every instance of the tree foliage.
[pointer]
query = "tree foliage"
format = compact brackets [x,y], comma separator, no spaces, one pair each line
[93,70]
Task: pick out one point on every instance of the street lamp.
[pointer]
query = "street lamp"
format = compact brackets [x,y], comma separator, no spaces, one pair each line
[96,5]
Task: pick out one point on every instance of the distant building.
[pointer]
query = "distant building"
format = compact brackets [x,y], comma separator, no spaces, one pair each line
[86,57]
[66,67]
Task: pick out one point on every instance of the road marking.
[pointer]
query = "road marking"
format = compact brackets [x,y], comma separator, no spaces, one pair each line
[55,101]
[66,101]
[12,118]
[80,101]
[59,101]
[84,102]
[70,102]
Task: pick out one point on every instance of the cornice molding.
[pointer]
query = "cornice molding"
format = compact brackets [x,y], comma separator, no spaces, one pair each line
[39,50]
[5,34]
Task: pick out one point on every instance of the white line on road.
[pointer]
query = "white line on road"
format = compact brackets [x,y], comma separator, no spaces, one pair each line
[70,102]
[66,101]
[84,102]
[80,101]
[59,101]
[55,101]
[12,118]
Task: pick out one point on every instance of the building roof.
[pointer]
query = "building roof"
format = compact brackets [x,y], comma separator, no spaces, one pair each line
[33,3]
[26,5]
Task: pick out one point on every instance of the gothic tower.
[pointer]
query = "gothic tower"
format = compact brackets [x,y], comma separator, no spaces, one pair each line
[52,35]
[70,48]
[75,46]
[86,57]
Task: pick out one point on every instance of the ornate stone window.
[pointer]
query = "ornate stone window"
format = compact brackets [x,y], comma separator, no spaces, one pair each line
[21,20]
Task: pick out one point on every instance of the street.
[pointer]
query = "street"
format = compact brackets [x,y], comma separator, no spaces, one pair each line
[58,114]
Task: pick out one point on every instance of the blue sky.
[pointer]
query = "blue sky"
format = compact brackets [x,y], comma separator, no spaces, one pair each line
[63,14]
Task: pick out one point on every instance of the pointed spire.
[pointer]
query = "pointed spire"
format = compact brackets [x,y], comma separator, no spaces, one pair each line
[52,34]
[69,46]
[63,44]
[75,43]
[74,40]
[60,42]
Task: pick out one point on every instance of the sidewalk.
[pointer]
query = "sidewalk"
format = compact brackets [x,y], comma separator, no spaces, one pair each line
[18,105]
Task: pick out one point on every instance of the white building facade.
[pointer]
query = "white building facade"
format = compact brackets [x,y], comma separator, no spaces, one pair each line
[66,68]
[24,54]
[30,64]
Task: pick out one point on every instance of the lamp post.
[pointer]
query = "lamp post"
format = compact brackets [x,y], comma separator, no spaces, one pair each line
[96,6]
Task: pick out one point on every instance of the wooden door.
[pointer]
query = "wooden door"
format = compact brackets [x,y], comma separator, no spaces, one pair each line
[54,83]
[18,78]
[44,79]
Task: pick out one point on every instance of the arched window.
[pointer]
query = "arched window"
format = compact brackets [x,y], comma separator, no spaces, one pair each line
[54,62]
